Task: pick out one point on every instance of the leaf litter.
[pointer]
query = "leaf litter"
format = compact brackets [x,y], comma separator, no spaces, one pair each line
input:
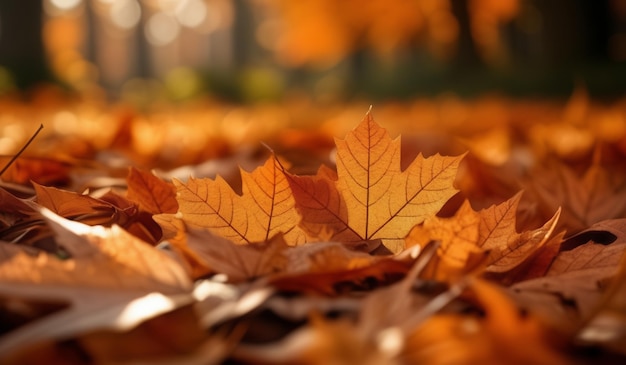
[376,259]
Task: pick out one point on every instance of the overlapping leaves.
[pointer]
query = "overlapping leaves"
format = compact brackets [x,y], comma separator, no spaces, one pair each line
[285,233]
[368,199]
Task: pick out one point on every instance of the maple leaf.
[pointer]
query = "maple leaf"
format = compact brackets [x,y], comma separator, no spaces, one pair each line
[371,198]
[111,273]
[597,195]
[265,209]
[578,277]
[151,194]
[492,231]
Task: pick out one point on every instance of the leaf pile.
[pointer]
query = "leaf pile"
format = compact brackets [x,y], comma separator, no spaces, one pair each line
[378,259]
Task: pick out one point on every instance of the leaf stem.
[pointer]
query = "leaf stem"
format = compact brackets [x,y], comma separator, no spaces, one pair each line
[32,138]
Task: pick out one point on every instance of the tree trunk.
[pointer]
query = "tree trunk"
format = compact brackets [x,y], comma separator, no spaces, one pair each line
[21,44]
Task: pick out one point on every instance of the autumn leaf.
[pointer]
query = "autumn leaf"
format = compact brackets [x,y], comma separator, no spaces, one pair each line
[323,267]
[606,327]
[598,194]
[42,170]
[311,267]
[493,338]
[265,209]
[371,197]
[20,222]
[111,273]
[578,277]
[151,194]
[491,231]
[238,262]
[83,208]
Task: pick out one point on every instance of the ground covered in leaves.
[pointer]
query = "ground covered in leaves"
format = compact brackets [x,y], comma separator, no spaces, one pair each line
[491,231]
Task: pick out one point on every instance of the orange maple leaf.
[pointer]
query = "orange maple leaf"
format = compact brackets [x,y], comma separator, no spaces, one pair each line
[265,208]
[370,197]
[469,235]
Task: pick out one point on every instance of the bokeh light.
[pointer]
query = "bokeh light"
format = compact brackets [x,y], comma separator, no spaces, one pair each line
[125,13]
[161,29]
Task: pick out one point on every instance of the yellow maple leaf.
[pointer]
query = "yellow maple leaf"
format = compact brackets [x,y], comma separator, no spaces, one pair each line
[370,197]
[265,208]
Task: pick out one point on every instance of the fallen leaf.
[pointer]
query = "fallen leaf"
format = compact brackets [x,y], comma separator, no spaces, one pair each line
[493,338]
[598,194]
[151,194]
[42,170]
[238,262]
[607,327]
[21,223]
[265,209]
[578,278]
[111,273]
[312,267]
[489,235]
[83,208]
[371,198]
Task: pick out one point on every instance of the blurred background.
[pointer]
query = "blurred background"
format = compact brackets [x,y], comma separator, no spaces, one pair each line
[257,50]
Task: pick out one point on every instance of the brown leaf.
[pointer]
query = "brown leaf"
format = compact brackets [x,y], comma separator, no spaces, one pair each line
[324,267]
[608,325]
[151,194]
[238,262]
[312,267]
[111,273]
[578,277]
[265,209]
[83,208]
[20,222]
[598,194]
[371,198]
[42,170]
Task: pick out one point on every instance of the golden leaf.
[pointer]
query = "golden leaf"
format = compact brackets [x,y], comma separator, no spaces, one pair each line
[265,208]
[371,198]
[469,235]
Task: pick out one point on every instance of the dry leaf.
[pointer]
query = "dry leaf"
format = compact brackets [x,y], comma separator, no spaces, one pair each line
[111,273]
[20,222]
[238,262]
[578,277]
[41,170]
[490,339]
[265,209]
[468,236]
[371,198]
[83,208]
[151,194]
[597,195]
[608,326]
